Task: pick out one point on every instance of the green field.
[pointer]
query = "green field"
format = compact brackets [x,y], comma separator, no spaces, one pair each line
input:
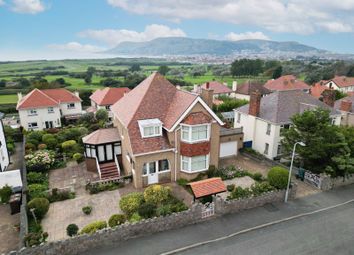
[8,99]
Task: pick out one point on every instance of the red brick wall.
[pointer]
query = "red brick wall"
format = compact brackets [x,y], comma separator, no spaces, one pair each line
[255,103]
[346,106]
[195,149]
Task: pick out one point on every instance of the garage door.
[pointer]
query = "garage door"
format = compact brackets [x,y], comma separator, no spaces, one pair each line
[228,149]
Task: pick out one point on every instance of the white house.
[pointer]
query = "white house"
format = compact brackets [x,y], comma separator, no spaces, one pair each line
[41,109]
[4,154]
[341,83]
[264,117]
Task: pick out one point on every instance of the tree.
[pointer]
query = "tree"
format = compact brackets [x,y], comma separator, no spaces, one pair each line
[247,67]
[2,83]
[277,72]
[88,79]
[351,71]
[163,69]
[102,115]
[61,81]
[135,68]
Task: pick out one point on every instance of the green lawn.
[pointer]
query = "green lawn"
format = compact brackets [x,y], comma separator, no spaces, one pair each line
[8,99]
[77,83]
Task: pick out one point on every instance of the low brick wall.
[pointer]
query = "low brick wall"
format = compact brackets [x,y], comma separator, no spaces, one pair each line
[232,206]
[328,183]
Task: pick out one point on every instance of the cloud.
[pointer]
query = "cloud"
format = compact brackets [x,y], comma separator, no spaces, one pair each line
[247,35]
[27,6]
[113,37]
[76,47]
[2,2]
[296,16]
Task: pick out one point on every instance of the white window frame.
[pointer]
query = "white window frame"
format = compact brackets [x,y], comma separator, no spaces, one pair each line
[190,131]
[50,109]
[188,160]
[156,124]
[157,167]
[32,112]
[30,125]
[70,107]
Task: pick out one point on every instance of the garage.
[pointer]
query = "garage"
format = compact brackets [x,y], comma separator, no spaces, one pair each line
[228,149]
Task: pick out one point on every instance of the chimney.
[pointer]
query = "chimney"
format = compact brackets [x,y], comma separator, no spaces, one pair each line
[329,96]
[207,95]
[225,83]
[195,88]
[207,86]
[234,85]
[77,94]
[346,106]
[19,95]
[255,103]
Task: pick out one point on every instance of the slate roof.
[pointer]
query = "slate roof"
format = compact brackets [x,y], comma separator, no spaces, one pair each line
[286,82]
[348,98]
[343,81]
[108,96]
[280,106]
[102,136]
[249,87]
[207,187]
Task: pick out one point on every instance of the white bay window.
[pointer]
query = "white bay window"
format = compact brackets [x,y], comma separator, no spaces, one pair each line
[195,164]
[196,133]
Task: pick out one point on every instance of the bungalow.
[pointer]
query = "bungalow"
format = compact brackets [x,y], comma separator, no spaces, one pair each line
[42,109]
[244,91]
[217,88]
[160,134]
[264,117]
[287,82]
[4,154]
[105,98]
[341,83]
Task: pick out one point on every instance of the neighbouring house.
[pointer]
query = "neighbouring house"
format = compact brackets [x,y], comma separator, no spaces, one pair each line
[218,89]
[42,109]
[160,134]
[244,91]
[105,98]
[287,82]
[346,107]
[264,117]
[317,89]
[341,83]
[4,154]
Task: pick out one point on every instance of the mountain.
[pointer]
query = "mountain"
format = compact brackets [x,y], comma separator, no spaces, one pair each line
[182,46]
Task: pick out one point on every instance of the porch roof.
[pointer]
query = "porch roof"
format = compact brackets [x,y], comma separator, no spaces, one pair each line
[207,187]
[102,136]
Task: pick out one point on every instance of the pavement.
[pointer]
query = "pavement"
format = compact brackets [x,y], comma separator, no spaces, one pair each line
[9,231]
[316,224]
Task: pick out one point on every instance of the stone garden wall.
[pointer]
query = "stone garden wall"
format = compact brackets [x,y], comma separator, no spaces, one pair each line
[328,183]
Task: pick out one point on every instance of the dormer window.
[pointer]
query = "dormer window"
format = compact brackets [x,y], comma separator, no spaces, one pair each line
[150,128]
[195,133]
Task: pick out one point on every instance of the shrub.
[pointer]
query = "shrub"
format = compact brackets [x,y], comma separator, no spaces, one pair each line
[10,148]
[50,140]
[35,137]
[72,230]
[68,145]
[230,187]
[278,177]
[60,196]
[30,147]
[40,161]
[135,218]
[87,210]
[5,194]
[40,206]
[258,177]
[260,188]
[94,189]
[37,190]
[147,210]
[78,157]
[182,182]
[93,227]
[33,239]
[130,203]
[156,194]
[116,219]
[42,146]
[164,210]
[34,177]
[240,193]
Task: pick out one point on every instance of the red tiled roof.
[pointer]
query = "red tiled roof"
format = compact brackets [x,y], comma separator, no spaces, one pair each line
[155,97]
[108,96]
[217,87]
[286,82]
[102,136]
[343,81]
[207,187]
[317,89]
[46,98]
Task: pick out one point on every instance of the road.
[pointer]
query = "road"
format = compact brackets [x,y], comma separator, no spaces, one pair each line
[319,224]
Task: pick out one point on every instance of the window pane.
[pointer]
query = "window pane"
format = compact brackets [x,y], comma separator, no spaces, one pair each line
[185,133]
[163,165]
[117,150]
[93,152]
[152,167]
[185,163]
[145,169]
[109,152]
[88,152]
[199,163]
[199,133]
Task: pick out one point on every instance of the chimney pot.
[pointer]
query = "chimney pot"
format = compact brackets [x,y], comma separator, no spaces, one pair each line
[255,103]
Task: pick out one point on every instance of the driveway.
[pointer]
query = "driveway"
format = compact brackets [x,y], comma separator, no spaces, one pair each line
[16,159]
[9,232]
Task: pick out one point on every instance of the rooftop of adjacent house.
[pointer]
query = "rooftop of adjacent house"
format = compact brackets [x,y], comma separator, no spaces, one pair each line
[108,96]
[207,187]
[217,87]
[337,104]
[343,81]
[12,179]
[280,106]
[317,89]
[101,136]
[46,98]
[249,87]
[286,82]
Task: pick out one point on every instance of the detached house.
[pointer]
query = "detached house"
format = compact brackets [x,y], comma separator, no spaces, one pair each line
[41,109]
[264,117]
[4,154]
[287,82]
[105,98]
[161,134]
[217,88]
[341,83]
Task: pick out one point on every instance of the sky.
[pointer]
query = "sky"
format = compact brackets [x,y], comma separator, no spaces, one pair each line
[57,29]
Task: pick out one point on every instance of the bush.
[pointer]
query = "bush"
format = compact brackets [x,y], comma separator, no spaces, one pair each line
[116,219]
[37,190]
[68,145]
[278,177]
[94,189]
[164,210]
[156,194]
[147,210]
[72,230]
[60,196]
[135,218]
[40,161]
[87,210]
[130,203]
[5,194]
[182,182]
[34,177]
[230,187]
[93,227]
[42,146]
[258,177]
[40,206]
[260,188]
[78,157]
[34,239]
[50,140]
[10,148]
[30,147]
[35,137]
[239,193]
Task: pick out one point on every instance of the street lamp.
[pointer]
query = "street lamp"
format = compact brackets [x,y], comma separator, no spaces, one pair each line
[290,170]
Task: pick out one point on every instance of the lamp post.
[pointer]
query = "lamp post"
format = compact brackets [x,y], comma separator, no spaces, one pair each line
[291,169]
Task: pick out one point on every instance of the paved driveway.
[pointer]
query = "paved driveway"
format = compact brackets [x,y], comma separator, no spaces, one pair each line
[9,233]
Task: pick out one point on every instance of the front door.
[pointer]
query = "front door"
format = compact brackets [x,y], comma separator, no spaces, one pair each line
[153,176]
[49,124]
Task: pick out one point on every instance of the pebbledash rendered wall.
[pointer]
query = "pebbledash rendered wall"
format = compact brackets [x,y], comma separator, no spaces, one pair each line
[111,237]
